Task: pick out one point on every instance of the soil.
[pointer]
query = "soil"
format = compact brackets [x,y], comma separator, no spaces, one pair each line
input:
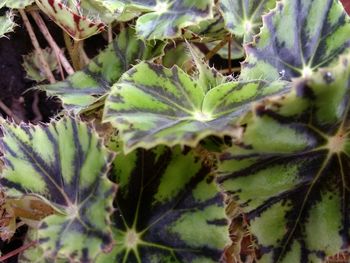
[14,86]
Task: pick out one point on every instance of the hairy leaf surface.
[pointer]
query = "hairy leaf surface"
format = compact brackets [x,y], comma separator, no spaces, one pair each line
[165,19]
[16,4]
[6,24]
[168,209]
[65,163]
[243,17]
[68,15]
[297,37]
[292,174]
[153,105]
[85,87]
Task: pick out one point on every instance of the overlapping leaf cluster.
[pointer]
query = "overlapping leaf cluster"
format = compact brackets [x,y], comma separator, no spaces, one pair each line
[154,188]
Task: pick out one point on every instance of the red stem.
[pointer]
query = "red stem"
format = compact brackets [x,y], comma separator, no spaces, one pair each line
[17,251]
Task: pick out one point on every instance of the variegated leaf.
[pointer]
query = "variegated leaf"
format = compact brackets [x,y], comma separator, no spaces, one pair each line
[297,37]
[292,172]
[243,17]
[168,209]
[207,30]
[34,253]
[165,19]
[206,76]
[153,105]
[68,15]
[6,24]
[65,163]
[86,87]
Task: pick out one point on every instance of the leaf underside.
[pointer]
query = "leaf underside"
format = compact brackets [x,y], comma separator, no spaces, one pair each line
[68,17]
[85,87]
[153,105]
[291,173]
[168,209]
[297,37]
[66,164]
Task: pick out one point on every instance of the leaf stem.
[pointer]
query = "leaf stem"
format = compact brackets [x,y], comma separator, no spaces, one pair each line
[59,54]
[9,112]
[73,50]
[17,251]
[37,48]
[110,33]
[228,71]
[35,108]
[229,56]
[212,52]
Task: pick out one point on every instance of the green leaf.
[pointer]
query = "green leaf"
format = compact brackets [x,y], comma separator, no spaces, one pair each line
[291,175]
[178,55]
[17,4]
[119,7]
[243,18]
[68,15]
[33,254]
[207,30]
[207,77]
[168,209]
[6,24]
[297,37]
[112,6]
[153,105]
[165,19]
[33,67]
[85,87]
[65,163]
[101,10]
